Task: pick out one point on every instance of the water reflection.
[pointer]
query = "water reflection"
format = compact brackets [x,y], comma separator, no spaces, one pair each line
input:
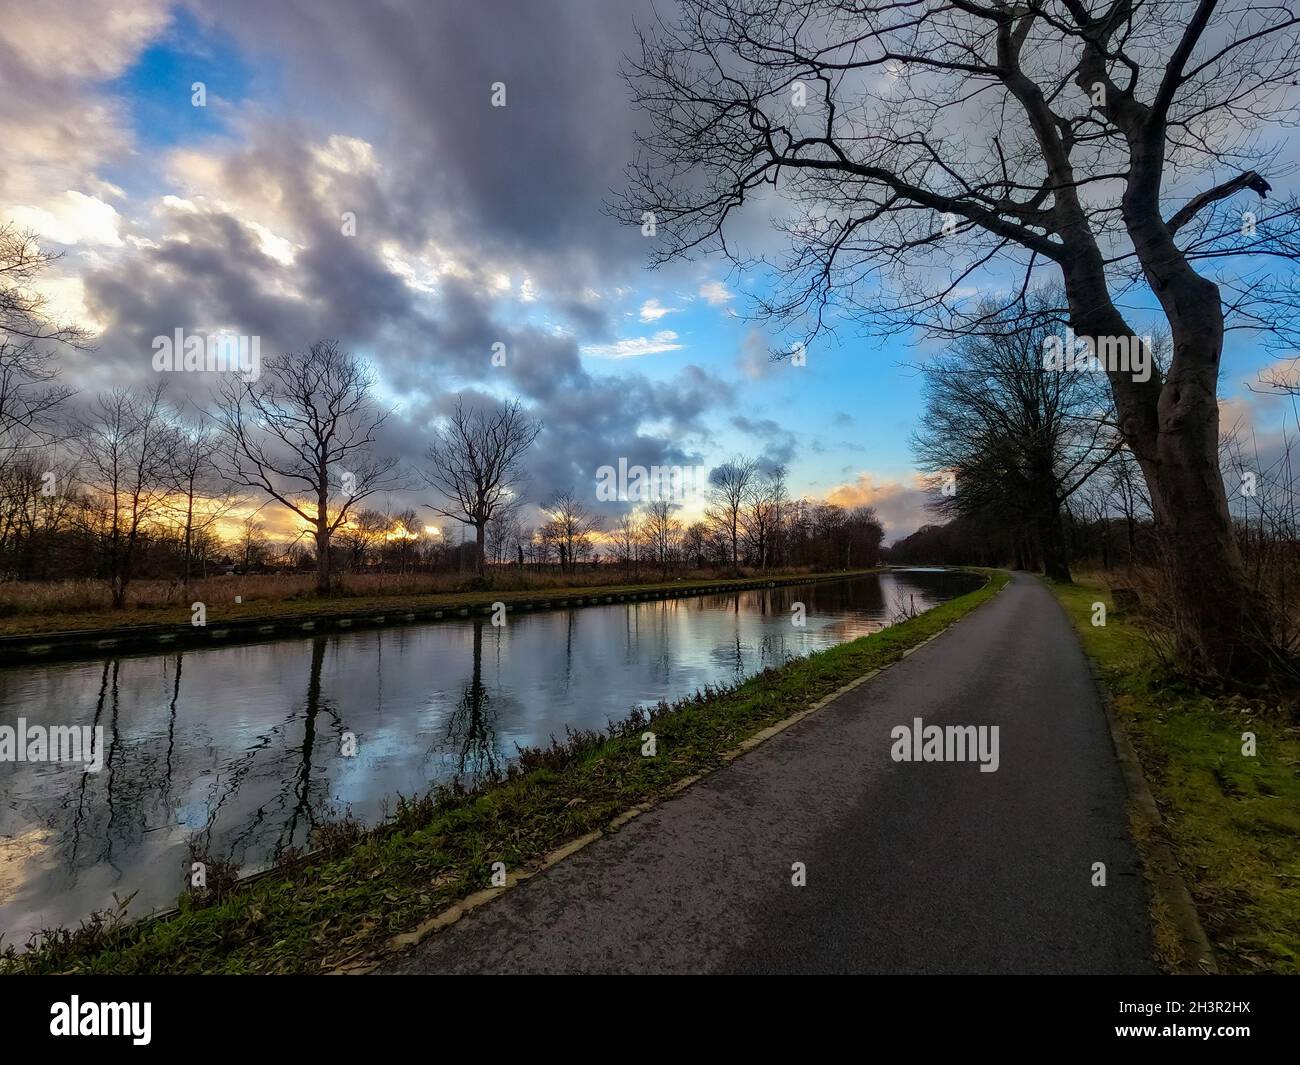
[470,727]
[239,749]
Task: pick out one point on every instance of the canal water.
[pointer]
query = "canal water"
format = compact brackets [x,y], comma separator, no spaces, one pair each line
[240,749]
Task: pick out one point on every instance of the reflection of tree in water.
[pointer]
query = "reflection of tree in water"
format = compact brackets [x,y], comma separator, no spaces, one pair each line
[659,656]
[301,800]
[772,650]
[145,785]
[113,807]
[742,659]
[471,726]
[268,796]
[133,794]
[105,818]
[731,655]
[79,818]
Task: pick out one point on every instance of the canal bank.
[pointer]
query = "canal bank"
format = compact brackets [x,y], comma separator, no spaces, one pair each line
[218,630]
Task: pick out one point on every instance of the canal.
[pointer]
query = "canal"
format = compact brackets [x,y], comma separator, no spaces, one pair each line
[240,750]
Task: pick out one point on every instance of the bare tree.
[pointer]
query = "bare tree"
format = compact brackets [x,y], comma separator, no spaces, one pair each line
[403,541]
[360,534]
[253,543]
[569,527]
[304,434]
[864,535]
[198,499]
[1125,483]
[126,443]
[29,394]
[39,507]
[935,140]
[761,516]
[831,528]
[695,544]
[503,533]
[729,488]
[662,532]
[1018,439]
[626,540]
[476,462]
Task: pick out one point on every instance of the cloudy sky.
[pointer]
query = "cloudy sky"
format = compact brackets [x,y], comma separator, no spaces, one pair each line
[474,225]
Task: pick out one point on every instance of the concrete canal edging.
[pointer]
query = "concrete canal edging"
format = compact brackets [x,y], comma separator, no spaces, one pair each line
[30,648]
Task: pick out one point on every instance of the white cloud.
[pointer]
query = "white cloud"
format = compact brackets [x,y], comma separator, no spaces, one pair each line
[73,218]
[98,40]
[348,155]
[652,310]
[65,302]
[716,293]
[664,340]
[274,245]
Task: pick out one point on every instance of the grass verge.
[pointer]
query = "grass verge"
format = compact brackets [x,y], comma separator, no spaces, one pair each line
[345,905]
[1233,820]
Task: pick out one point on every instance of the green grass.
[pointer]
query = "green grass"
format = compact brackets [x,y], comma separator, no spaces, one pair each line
[1234,820]
[330,912]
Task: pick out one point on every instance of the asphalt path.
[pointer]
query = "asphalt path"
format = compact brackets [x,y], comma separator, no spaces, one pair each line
[908,866]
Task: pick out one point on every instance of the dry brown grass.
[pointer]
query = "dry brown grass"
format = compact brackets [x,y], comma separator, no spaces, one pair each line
[58,597]
[1275,579]
[51,606]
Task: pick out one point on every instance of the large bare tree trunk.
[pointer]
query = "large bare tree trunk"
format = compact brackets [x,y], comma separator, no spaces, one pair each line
[480,548]
[1221,625]
[322,535]
[1056,563]
[1173,430]
[322,561]
[1047,517]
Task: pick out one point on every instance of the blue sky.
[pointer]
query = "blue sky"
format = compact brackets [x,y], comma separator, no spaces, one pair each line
[188,51]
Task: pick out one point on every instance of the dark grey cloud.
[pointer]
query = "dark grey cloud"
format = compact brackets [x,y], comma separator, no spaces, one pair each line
[778,444]
[525,181]
[209,272]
